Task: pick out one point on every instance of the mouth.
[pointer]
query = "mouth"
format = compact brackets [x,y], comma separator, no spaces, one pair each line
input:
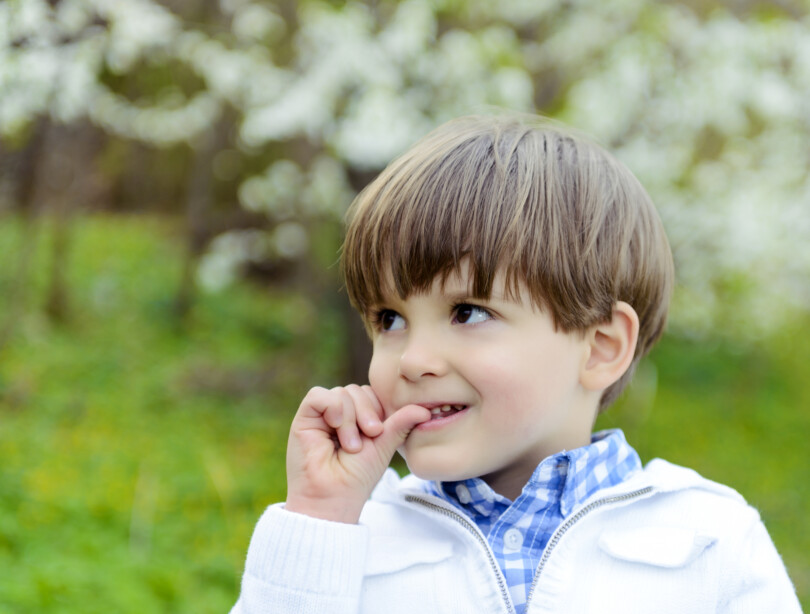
[444,411]
[441,416]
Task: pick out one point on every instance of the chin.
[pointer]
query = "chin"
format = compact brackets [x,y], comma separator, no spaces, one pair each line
[433,472]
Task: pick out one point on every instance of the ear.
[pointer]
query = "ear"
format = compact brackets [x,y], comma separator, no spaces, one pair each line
[611,347]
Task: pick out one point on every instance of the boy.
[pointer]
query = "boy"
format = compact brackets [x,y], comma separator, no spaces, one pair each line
[511,276]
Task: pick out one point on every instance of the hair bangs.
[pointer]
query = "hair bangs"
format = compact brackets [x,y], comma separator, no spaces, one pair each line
[426,215]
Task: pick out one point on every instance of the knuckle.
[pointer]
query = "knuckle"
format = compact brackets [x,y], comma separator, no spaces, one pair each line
[316,393]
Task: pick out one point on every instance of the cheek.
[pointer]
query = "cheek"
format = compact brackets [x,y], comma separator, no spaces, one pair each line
[381,375]
[520,385]
[374,374]
[505,393]
[504,374]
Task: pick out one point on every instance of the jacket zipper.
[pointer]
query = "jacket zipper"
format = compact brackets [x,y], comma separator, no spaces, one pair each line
[473,529]
[563,528]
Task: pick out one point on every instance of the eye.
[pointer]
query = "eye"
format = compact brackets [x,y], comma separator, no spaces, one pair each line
[389,320]
[470,314]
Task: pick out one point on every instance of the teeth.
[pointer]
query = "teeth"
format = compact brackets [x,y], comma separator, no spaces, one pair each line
[443,409]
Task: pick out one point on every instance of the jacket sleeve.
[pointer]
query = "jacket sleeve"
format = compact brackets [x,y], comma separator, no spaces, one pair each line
[302,565]
[760,582]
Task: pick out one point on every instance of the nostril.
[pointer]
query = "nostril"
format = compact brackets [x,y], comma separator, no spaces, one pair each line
[413,368]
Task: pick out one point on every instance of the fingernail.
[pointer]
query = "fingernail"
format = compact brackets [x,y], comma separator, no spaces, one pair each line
[354,443]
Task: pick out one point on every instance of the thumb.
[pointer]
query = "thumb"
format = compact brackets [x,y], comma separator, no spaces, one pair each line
[398,426]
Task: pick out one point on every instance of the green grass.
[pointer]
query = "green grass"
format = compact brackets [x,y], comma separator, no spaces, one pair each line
[136,454]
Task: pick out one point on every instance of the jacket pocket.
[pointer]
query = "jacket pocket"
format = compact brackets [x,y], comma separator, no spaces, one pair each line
[667,547]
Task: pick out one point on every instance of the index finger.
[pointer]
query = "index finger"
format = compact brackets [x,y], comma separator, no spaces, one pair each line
[321,409]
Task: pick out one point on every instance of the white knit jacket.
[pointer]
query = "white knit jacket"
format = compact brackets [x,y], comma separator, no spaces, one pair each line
[666,541]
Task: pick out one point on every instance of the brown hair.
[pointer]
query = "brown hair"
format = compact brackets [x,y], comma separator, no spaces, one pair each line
[549,208]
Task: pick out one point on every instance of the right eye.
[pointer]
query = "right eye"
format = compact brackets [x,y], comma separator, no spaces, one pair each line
[390,320]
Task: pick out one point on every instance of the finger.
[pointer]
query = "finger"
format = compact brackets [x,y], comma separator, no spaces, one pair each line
[375,401]
[347,433]
[333,412]
[398,426]
[321,406]
[367,418]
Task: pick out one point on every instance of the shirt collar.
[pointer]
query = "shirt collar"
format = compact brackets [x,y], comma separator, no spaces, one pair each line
[570,477]
[607,461]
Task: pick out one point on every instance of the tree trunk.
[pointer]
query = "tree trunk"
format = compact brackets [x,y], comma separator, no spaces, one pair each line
[26,173]
[198,211]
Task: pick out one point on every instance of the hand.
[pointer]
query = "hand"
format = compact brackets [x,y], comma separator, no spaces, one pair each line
[340,444]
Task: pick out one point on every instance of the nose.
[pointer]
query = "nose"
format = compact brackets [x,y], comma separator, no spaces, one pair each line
[422,357]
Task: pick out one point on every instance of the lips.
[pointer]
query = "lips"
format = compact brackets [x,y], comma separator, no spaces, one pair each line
[442,415]
[442,411]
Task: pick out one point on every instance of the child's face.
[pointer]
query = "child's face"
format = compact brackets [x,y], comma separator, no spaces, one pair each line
[511,381]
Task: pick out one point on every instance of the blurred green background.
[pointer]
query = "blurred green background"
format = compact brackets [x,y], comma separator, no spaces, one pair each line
[173,177]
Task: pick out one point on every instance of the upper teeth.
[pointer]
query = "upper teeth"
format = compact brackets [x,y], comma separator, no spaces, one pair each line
[444,408]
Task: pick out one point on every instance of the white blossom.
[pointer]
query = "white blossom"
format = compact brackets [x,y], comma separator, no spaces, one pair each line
[709,111]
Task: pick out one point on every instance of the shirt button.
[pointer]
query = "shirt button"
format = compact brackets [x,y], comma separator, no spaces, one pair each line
[463,493]
[513,539]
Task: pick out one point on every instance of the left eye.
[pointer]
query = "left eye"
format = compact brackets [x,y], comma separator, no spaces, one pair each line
[470,314]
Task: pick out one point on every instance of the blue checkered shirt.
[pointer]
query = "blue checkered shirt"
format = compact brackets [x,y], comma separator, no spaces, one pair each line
[518,531]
